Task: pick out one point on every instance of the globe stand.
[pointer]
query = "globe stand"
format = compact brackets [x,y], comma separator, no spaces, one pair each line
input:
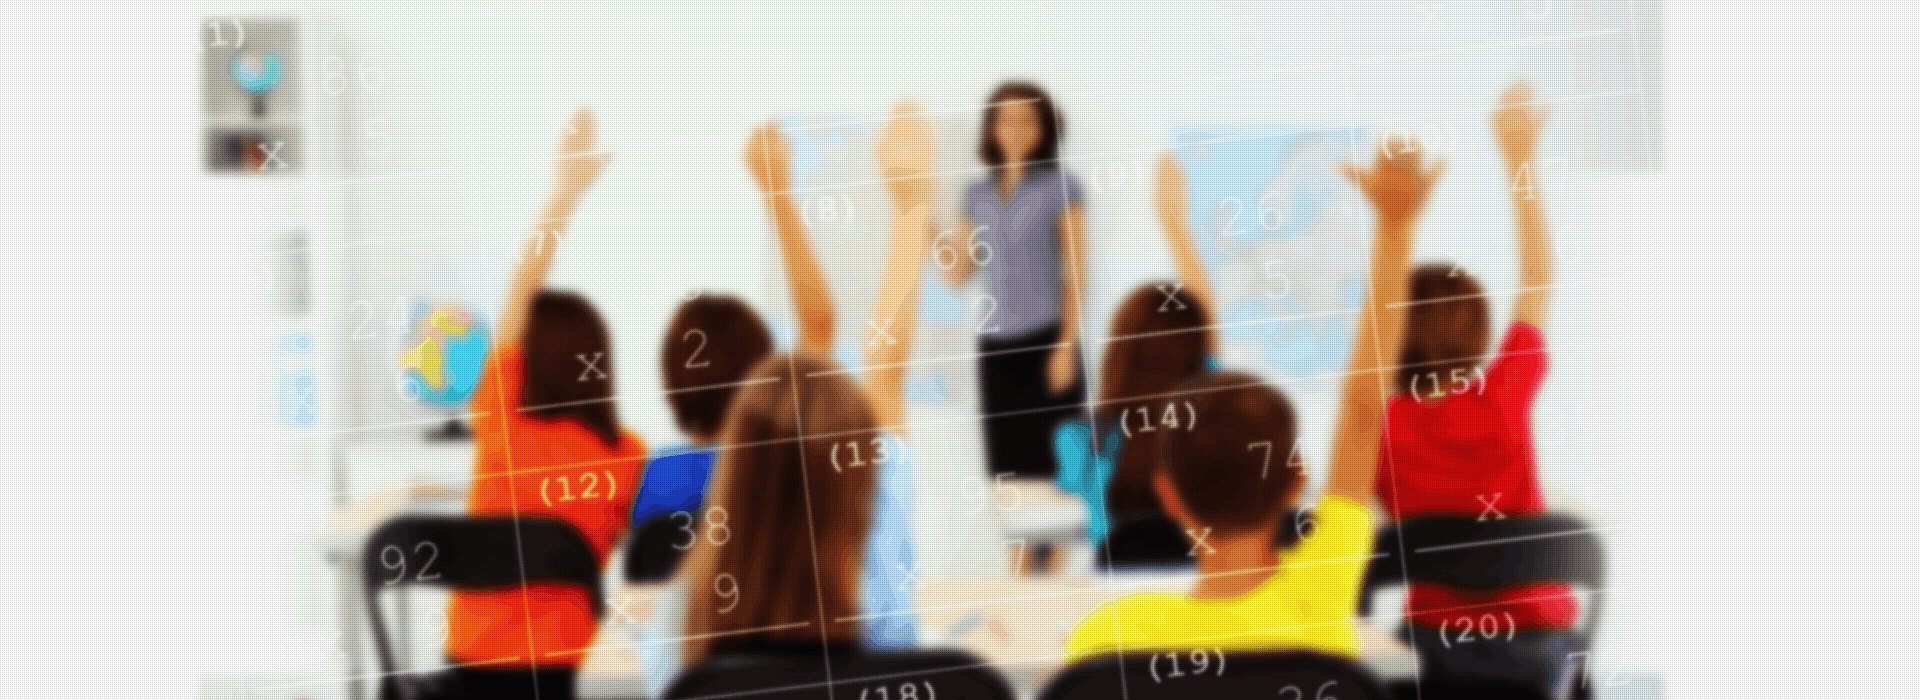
[453,429]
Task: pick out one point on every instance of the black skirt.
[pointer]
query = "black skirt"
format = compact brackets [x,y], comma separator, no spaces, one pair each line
[1020,414]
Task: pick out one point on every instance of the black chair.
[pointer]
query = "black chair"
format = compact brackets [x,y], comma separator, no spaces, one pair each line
[1465,553]
[1148,540]
[466,554]
[654,547]
[873,675]
[1208,673]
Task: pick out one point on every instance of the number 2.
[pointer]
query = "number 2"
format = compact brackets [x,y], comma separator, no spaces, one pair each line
[696,351]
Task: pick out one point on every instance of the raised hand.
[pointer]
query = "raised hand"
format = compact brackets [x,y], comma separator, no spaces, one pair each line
[581,158]
[768,157]
[905,154]
[1397,186]
[1517,122]
[1170,189]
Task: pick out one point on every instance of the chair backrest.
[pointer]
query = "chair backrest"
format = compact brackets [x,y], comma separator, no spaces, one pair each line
[1147,540]
[874,675]
[1209,673]
[1464,552]
[654,548]
[477,553]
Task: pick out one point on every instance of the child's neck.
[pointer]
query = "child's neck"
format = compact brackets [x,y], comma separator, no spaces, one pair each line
[1234,566]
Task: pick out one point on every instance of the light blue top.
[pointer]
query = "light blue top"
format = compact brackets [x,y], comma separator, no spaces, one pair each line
[886,583]
[1023,275]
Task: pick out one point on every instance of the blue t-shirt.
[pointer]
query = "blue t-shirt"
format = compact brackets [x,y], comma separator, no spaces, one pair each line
[1086,472]
[887,574]
[676,480]
[1023,275]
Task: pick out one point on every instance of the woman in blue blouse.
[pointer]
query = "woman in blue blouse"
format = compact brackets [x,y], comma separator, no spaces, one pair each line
[1022,228]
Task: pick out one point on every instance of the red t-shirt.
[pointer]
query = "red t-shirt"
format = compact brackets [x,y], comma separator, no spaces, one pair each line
[560,468]
[1471,453]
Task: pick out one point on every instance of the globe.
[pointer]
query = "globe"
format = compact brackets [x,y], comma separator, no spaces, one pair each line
[444,348]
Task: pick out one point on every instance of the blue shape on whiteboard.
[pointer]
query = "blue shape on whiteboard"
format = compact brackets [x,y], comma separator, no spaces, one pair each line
[930,391]
[257,72]
[300,343]
[939,305]
[299,400]
[809,151]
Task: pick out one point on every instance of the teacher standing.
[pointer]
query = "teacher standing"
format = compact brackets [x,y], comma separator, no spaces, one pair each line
[1021,228]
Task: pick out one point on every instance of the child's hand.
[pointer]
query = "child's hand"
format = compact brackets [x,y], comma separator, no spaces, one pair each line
[1397,185]
[580,159]
[905,155]
[768,157]
[1170,189]
[1516,124]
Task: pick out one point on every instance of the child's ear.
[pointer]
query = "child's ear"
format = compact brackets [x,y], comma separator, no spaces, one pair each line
[1170,499]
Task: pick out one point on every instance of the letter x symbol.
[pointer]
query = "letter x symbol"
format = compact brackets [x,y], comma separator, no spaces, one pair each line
[621,609]
[880,331]
[1433,17]
[1489,507]
[273,155]
[1140,52]
[593,367]
[1171,299]
[913,578]
[1199,541]
[1459,261]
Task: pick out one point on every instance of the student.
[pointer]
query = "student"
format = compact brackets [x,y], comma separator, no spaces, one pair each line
[545,420]
[1227,483]
[1459,438]
[1161,334]
[785,512]
[1023,228]
[711,343]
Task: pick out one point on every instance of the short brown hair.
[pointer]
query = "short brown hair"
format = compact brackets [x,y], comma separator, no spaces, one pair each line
[1447,324]
[569,364]
[790,508]
[1155,341]
[1230,467]
[1053,127]
[711,343]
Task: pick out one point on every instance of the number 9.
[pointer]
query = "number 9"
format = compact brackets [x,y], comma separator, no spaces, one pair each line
[732,590]
[399,562]
[1200,659]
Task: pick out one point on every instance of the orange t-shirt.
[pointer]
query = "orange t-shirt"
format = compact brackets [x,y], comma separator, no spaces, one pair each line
[536,467]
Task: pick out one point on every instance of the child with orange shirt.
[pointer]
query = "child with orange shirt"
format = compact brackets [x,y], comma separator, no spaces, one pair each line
[547,442]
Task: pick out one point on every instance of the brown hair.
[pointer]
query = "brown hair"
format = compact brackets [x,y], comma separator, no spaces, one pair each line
[710,344]
[796,519]
[1230,467]
[1053,127]
[1447,324]
[1155,341]
[569,364]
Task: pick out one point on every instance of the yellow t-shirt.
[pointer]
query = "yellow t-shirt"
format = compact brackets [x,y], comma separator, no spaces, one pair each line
[1308,604]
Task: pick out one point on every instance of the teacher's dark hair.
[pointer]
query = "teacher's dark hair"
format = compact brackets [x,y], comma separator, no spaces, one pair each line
[1053,127]
[569,365]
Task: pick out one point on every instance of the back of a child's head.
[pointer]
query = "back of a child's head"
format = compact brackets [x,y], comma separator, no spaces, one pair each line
[1231,468]
[569,364]
[796,506]
[711,344]
[1157,339]
[1447,324]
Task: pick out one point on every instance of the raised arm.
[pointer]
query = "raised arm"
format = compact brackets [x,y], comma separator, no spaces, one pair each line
[1063,361]
[1170,205]
[1516,124]
[1397,187]
[905,160]
[767,159]
[575,168]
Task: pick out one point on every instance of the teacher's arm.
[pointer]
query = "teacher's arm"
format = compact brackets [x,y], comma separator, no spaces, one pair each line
[1062,365]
